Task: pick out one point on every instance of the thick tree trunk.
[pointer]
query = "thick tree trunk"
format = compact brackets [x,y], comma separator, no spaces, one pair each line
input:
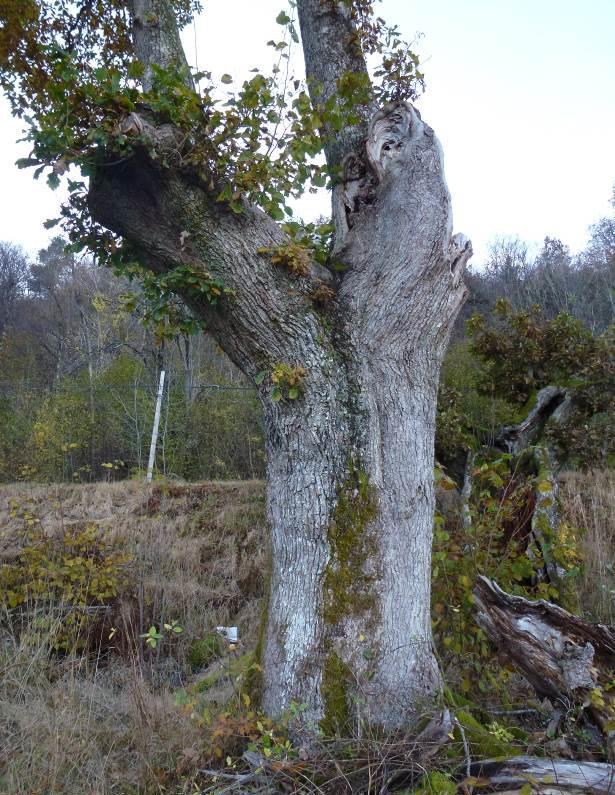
[351,509]
[350,461]
[350,608]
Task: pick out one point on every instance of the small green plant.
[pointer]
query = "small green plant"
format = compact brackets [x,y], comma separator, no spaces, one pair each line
[500,732]
[288,381]
[436,783]
[153,636]
[292,256]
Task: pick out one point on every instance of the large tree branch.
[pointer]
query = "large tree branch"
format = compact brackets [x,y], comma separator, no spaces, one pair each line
[172,221]
[156,38]
[171,218]
[331,49]
[414,279]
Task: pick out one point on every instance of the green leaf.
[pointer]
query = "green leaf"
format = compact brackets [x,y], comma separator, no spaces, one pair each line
[293,393]
[260,377]
[26,162]
[226,79]
[135,70]
[276,394]
[282,18]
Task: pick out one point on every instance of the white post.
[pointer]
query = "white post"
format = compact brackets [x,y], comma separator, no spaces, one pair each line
[152,447]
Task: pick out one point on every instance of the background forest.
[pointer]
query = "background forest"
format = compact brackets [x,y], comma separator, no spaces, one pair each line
[81,350]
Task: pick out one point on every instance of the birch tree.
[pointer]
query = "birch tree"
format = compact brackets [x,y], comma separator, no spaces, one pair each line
[343,340]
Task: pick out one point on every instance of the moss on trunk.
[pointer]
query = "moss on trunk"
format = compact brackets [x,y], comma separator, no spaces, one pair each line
[347,586]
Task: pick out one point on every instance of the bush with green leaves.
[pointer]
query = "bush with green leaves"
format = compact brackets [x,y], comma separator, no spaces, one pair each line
[496,540]
[522,352]
[61,586]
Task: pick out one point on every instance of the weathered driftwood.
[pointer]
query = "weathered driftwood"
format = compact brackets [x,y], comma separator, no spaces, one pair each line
[547,776]
[566,659]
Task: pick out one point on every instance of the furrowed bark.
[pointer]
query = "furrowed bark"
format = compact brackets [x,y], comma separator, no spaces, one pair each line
[350,462]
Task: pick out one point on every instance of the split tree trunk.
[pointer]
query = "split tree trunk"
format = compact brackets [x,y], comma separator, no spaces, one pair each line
[350,462]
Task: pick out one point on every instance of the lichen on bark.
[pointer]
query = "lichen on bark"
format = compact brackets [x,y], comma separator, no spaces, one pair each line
[348,593]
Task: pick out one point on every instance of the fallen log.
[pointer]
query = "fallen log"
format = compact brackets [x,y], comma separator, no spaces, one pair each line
[566,659]
[546,776]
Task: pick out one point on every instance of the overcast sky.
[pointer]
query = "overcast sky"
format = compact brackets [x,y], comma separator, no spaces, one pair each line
[520,92]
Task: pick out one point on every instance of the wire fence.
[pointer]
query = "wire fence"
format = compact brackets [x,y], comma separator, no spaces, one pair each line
[102,431]
[80,431]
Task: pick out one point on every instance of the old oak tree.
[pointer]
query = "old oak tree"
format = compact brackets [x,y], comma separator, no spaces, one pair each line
[341,326]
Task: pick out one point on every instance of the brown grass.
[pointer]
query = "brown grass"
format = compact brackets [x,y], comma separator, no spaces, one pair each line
[106,722]
[588,504]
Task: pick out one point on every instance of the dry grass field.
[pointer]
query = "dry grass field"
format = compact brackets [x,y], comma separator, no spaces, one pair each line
[104,720]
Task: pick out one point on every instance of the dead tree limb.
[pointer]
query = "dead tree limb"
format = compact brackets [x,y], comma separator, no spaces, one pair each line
[566,659]
[552,776]
[516,438]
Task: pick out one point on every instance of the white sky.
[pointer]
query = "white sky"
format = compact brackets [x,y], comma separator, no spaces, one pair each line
[520,92]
